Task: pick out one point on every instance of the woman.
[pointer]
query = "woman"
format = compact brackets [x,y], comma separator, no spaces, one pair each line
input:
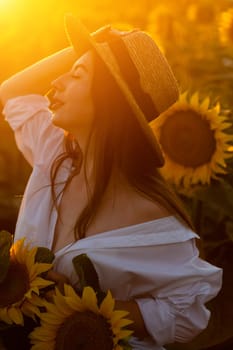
[95,187]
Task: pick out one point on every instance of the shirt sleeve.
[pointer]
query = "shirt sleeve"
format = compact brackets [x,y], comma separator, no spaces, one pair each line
[177,311]
[36,136]
[161,271]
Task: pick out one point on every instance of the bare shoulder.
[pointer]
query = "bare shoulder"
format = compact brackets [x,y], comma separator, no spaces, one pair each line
[148,210]
[127,209]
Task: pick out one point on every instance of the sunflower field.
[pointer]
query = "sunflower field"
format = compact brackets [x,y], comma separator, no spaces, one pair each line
[196,133]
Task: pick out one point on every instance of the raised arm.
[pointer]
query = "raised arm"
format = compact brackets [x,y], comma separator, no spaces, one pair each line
[36,79]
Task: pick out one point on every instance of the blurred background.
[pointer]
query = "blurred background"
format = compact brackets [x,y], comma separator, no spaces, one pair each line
[196,36]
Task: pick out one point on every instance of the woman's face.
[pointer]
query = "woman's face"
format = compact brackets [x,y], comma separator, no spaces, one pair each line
[73,108]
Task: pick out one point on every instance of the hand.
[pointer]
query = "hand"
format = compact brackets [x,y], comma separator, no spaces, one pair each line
[59,281]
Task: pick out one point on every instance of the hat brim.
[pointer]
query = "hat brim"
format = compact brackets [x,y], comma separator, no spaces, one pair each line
[82,41]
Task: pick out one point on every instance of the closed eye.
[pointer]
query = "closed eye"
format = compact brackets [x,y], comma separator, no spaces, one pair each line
[76,76]
[78,68]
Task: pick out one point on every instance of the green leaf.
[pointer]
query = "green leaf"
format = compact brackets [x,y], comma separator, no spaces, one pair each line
[124,343]
[44,255]
[5,245]
[86,272]
[87,275]
[219,196]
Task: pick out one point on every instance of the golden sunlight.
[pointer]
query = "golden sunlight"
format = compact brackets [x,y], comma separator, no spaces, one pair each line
[4,3]
[8,8]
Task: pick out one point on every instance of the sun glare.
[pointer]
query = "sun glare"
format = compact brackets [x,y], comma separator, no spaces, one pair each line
[4,2]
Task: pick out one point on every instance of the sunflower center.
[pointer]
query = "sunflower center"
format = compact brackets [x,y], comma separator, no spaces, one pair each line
[84,331]
[205,14]
[15,284]
[187,139]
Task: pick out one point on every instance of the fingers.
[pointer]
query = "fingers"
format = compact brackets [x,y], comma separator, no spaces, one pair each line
[58,278]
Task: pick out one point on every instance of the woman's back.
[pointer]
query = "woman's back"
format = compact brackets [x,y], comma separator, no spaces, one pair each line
[121,206]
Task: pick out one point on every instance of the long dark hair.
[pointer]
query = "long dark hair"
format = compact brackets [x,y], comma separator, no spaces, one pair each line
[119,143]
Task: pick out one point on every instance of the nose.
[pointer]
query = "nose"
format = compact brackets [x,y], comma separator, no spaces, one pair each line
[59,82]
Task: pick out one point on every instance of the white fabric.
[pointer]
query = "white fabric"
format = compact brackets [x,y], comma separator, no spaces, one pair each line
[156,263]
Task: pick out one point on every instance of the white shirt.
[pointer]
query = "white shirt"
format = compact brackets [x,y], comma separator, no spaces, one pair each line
[155,263]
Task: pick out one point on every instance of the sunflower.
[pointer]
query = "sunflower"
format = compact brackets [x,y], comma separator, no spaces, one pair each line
[74,322]
[193,141]
[204,13]
[19,291]
[164,27]
[226,27]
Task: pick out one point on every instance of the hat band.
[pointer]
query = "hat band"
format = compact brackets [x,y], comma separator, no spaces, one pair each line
[132,77]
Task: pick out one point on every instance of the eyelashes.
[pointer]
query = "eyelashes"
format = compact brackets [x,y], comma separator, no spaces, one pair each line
[75,76]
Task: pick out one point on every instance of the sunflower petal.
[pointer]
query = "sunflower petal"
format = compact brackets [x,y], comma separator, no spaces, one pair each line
[124,333]
[44,334]
[205,104]
[107,305]
[42,267]
[41,282]
[73,299]
[30,310]
[4,316]
[183,96]
[194,100]
[89,299]
[16,315]
[51,319]
[62,304]
[217,108]
[123,323]
[118,314]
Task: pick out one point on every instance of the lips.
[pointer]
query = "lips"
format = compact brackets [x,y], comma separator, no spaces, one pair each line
[55,104]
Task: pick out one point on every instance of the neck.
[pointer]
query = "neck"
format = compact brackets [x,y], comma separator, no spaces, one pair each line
[85,146]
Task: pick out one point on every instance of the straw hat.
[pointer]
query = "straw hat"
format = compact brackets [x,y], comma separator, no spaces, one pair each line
[138,67]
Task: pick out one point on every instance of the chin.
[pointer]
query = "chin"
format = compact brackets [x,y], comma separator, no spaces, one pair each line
[58,121]
[62,123]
